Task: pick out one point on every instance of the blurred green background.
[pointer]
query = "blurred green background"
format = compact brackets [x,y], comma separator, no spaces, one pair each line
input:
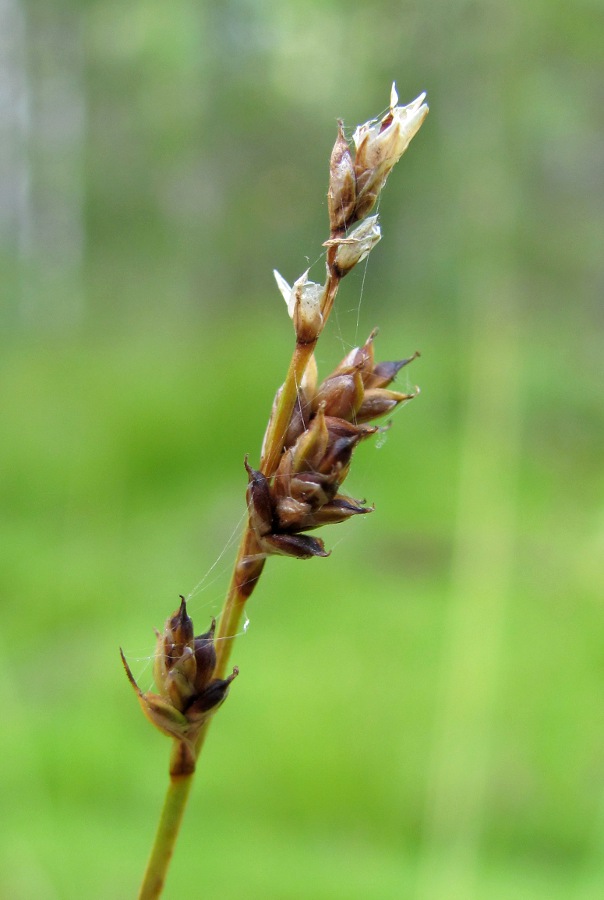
[420,715]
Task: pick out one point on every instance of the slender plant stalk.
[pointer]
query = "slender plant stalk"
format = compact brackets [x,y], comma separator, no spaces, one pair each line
[240,588]
[169,825]
[312,461]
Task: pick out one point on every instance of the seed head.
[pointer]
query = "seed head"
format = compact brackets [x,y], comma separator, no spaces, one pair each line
[342,192]
[330,421]
[355,181]
[304,303]
[184,676]
[356,246]
[380,145]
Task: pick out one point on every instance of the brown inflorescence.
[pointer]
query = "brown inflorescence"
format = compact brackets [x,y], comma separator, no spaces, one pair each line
[313,431]
[329,420]
[356,181]
[184,675]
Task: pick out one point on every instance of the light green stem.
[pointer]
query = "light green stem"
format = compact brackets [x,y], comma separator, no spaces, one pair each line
[167,832]
[285,406]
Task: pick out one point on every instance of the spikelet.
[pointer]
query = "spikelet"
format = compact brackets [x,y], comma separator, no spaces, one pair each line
[328,423]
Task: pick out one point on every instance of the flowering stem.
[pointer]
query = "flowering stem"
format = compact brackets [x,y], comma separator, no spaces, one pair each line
[246,572]
[182,765]
[354,188]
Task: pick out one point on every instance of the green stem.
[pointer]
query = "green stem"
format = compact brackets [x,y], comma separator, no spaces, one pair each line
[246,572]
[165,839]
[285,406]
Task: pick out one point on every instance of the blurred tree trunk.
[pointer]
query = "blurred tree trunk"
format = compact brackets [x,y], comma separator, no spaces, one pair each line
[42,136]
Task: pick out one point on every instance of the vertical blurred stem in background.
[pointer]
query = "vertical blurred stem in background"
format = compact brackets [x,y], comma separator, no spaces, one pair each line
[42,139]
[483,551]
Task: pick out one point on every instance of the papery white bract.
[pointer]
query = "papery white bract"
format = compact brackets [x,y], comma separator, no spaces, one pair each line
[357,245]
[380,144]
[304,302]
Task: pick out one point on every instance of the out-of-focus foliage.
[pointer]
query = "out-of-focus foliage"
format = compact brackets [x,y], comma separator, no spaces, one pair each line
[419,715]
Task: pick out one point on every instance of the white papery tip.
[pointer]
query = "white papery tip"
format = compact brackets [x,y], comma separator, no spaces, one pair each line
[283,286]
[418,101]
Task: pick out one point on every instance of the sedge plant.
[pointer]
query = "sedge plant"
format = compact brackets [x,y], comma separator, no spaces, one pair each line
[313,430]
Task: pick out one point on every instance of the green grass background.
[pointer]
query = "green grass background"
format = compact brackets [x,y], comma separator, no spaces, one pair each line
[420,715]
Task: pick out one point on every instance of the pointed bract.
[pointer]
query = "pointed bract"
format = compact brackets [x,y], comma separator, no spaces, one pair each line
[378,402]
[300,546]
[384,373]
[284,288]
